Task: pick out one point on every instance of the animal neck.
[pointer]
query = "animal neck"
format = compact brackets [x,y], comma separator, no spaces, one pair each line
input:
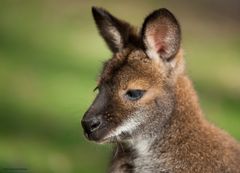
[185,117]
[187,113]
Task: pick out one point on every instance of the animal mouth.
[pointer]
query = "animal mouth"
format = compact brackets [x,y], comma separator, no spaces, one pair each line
[97,135]
[106,134]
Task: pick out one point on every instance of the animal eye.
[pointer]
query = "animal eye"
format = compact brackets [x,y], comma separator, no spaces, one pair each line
[134,94]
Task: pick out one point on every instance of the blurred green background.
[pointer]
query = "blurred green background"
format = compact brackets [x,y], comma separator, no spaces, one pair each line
[50,56]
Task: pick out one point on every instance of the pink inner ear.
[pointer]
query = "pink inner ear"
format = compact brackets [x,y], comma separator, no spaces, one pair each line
[159,46]
[157,37]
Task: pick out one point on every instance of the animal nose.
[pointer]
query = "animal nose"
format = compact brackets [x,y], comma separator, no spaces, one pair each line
[91,124]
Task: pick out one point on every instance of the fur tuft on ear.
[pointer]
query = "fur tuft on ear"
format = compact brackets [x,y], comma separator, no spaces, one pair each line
[161,35]
[115,32]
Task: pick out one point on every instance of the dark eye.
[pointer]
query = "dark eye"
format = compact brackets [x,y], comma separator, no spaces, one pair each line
[134,94]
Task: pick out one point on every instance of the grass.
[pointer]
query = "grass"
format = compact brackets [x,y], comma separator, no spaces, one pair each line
[50,55]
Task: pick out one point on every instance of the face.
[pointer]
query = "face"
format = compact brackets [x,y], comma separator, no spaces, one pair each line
[135,85]
[124,100]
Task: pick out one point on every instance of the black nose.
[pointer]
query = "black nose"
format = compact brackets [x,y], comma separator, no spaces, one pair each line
[91,124]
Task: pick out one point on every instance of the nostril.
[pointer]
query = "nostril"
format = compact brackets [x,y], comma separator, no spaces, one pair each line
[91,124]
[95,125]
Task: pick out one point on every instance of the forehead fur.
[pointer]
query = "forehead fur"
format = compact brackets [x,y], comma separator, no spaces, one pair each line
[112,65]
[127,61]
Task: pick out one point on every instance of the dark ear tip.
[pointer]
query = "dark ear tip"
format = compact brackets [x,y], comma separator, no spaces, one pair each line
[98,11]
[164,12]
[95,9]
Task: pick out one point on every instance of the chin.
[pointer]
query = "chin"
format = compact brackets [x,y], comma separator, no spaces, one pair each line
[96,136]
[101,136]
[111,138]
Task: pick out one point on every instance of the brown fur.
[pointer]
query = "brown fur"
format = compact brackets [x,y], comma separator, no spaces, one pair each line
[168,132]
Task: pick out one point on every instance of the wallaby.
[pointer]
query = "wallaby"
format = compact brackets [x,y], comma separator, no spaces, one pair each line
[147,106]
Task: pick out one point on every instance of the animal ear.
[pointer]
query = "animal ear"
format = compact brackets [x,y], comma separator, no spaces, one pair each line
[114,31]
[161,35]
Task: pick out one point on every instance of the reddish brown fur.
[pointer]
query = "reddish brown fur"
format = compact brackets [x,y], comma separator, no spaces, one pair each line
[179,139]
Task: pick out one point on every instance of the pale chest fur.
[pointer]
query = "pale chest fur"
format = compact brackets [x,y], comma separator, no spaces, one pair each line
[147,160]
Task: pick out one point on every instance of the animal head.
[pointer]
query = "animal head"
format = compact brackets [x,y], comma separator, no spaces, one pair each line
[136,86]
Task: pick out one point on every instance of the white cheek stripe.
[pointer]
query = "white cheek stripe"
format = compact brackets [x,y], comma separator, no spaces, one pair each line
[127,125]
